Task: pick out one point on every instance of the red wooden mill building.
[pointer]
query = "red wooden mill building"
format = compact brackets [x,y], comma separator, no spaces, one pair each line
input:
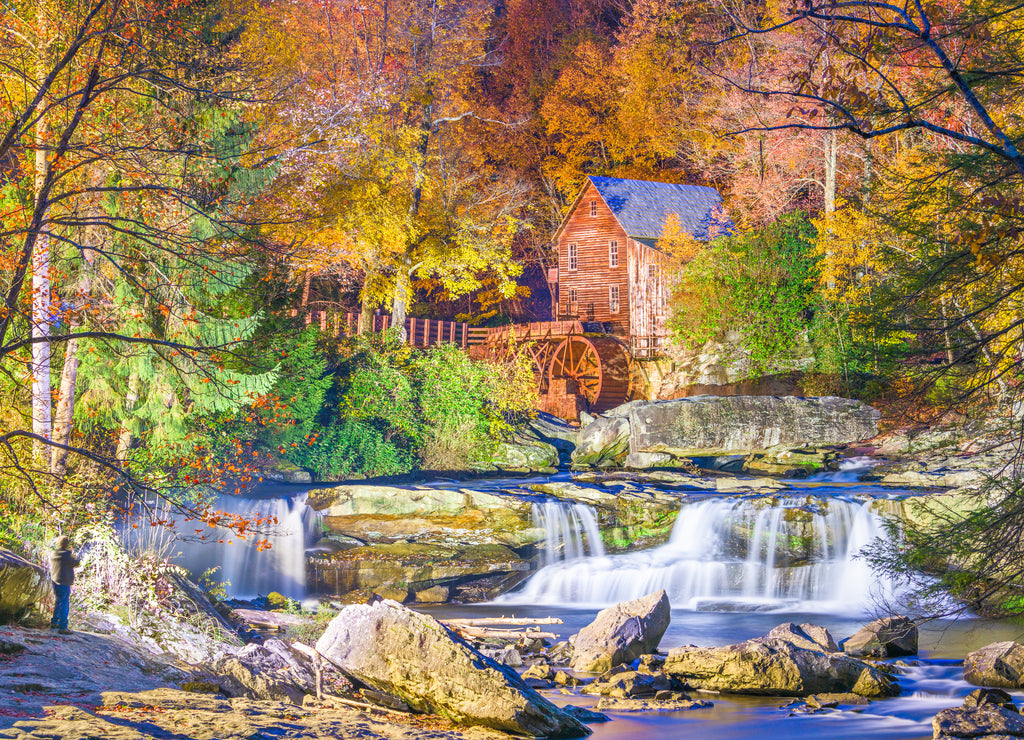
[610,290]
[609,267]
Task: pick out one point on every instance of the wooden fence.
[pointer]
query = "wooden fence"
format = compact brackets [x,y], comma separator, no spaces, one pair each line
[419,332]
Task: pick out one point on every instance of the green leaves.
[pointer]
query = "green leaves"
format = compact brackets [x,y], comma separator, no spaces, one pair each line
[758,284]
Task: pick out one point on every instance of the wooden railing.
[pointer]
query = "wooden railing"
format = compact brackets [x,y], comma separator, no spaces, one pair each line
[652,345]
[419,332]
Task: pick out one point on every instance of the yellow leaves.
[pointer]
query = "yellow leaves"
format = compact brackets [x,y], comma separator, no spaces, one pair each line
[847,246]
[677,242]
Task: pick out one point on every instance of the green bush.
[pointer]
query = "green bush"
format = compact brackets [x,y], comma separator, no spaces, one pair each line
[351,446]
[386,408]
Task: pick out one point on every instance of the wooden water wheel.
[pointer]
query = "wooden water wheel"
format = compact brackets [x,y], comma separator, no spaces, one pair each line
[596,368]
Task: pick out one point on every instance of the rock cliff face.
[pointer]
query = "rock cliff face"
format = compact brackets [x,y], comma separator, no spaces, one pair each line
[721,425]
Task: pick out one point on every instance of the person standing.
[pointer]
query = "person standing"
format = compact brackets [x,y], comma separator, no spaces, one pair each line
[62,573]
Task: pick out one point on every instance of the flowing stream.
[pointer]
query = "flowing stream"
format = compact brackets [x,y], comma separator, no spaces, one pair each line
[724,554]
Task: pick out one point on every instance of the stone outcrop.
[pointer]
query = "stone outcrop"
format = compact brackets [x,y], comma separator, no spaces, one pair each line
[713,425]
[415,658]
[999,664]
[622,633]
[433,544]
[888,637]
[390,514]
[22,586]
[775,667]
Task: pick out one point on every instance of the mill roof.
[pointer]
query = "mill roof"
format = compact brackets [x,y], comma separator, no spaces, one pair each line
[643,206]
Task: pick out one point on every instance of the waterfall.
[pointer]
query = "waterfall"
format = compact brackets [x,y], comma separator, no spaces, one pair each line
[734,554]
[568,530]
[246,570]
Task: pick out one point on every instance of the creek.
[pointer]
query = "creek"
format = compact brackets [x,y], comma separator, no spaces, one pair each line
[735,566]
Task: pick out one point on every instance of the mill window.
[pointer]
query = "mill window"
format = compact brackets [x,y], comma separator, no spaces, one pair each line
[613,254]
[613,298]
[574,296]
[593,208]
[574,260]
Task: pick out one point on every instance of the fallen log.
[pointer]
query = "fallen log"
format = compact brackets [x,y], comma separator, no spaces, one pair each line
[503,634]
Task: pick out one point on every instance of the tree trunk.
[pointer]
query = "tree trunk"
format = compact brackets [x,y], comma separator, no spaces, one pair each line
[400,303]
[831,164]
[41,310]
[65,412]
[366,308]
[124,440]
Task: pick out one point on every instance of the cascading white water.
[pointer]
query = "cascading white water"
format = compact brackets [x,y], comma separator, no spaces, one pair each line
[246,569]
[728,554]
[570,531]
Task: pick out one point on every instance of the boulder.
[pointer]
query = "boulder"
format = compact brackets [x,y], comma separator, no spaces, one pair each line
[1000,664]
[622,633]
[414,657]
[603,442]
[774,667]
[22,586]
[556,432]
[888,637]
[977,722]
[808,636]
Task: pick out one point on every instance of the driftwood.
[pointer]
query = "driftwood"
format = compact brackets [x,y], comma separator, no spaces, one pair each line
[456,623]
[319,659]
[268,620]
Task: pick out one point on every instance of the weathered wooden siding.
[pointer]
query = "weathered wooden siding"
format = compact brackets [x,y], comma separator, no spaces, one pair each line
[648,299]
[594,275]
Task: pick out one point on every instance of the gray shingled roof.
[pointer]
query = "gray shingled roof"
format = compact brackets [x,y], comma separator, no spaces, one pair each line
[642,206]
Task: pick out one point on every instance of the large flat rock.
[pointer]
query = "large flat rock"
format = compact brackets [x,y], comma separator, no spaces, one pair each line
[716,425]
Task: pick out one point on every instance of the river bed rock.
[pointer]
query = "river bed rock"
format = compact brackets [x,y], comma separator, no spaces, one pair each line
[721,425]
[415,658]
[622,633]
[775,667]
